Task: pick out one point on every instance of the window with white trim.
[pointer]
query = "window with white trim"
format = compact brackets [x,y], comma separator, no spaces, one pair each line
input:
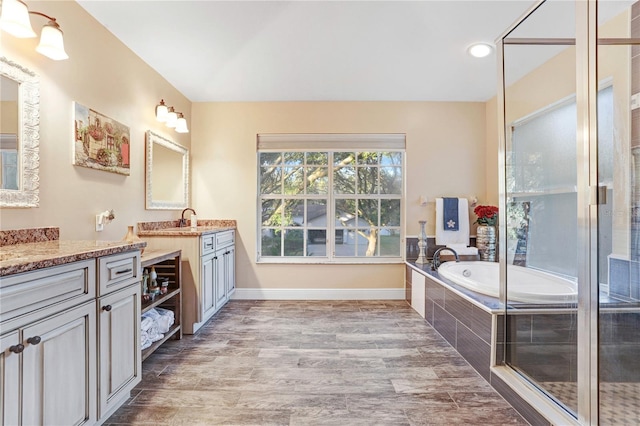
[330,198]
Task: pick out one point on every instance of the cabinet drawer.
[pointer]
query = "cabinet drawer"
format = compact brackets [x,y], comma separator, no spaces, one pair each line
[208,244]
[64,286]
[224,239]
[118,271]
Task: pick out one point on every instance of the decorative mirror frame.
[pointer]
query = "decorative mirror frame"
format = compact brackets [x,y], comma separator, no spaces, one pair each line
[28,137]
[153,138]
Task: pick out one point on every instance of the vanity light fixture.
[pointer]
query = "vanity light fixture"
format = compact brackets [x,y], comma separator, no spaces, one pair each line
[14,19]
[172,119]
[480,50]
[181,125]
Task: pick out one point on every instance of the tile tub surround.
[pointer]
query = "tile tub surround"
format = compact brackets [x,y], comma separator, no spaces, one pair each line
[28,235]
[465,318]
[26,257]
[312,362]
[172,227]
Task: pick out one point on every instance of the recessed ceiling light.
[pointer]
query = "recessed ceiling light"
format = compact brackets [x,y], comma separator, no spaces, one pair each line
[480,50]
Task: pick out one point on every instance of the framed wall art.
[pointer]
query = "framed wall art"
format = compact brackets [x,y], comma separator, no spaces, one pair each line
[100,142]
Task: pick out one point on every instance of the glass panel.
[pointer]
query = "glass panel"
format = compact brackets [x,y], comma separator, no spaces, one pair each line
[317,242]
[343,158]
[293,242]
[367,158]
[367,180]
[541,204]
[389,242]
[391,158]
[367,242]
[346,246]
[271,242]
[293,212]
[391,180]
[346,212]
[390,212]
[344,180]
[317,180]
[619,217]
[293,158]
[270,158]
[316,213]
[317,158]
[271,180]
[293,180]
[271,212]
[368,214]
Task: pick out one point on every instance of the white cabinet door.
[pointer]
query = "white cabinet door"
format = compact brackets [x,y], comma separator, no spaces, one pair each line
[10,349]
[221,284]
[119,356]
[418,292]
[208,289]
[230,270]
[59,365]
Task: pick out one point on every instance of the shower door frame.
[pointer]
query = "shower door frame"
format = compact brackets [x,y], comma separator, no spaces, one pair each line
[586,43]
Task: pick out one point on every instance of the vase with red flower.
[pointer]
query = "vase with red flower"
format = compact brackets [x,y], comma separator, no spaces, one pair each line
[486,232]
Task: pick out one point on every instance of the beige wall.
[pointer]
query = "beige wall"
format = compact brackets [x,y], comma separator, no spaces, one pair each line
[104,75]
[445,156]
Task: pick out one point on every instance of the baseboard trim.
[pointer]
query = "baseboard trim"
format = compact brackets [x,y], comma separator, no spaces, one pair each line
[319,294]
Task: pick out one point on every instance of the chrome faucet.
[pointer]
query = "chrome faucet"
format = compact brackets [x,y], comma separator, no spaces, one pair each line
[435,263]
[183,221]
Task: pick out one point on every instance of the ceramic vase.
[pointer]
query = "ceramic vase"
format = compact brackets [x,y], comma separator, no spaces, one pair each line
[422,244]
[486,242]
[131,238]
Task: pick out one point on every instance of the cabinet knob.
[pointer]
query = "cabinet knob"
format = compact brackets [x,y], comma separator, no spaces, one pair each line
[34,340]
[16,349]
[227,252]
[106,308]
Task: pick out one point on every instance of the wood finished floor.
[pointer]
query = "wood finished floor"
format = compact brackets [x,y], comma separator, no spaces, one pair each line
[313,363]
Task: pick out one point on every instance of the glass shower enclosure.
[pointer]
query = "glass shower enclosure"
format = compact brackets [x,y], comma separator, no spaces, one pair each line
[569,107]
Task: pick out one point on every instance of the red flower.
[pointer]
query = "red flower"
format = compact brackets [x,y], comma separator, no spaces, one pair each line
[487,215]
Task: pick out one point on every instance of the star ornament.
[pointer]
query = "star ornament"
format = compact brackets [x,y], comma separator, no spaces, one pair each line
[451,224]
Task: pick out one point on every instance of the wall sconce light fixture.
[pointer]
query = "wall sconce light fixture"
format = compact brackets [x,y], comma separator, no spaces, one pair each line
[172,119]
[14,19]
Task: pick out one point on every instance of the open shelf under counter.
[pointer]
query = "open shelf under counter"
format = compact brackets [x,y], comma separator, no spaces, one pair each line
[167,264]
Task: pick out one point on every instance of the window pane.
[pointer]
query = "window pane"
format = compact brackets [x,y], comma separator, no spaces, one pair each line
[293,180]
[293,242]
[348,245]
[317,158]
[270,158]
[343,158]
[346,212]
[344,180]
[293,158]
[391,180]
[318,180]
[389,242]
[271,212]
[293,212]
[367,158]
[316,213]
[271,180]
[271,242]
[391,158]
[389,212]
[367,180]
[368,213]
[367,242]
[317,242]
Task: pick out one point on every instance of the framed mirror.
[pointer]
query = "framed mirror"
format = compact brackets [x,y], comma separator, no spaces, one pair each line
[167,174]
[19,135]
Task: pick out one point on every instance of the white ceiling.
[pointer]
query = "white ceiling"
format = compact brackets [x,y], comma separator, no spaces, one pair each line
[315,50]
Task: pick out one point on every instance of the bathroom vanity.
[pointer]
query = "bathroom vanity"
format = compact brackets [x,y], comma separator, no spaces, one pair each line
[208,264]
[69,330]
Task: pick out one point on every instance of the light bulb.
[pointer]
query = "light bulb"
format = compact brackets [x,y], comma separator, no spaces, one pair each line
[51,42]
[15,19]
[161,111]
[181,126]
[172,118]
[480,50]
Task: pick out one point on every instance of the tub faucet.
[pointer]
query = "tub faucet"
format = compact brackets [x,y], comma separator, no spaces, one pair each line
[435,263]
[183,221]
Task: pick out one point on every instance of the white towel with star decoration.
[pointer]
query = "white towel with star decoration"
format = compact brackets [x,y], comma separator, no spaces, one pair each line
[461,236]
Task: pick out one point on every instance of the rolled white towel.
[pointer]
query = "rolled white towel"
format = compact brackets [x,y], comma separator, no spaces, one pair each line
[463,250]
[145,341]
[164,323]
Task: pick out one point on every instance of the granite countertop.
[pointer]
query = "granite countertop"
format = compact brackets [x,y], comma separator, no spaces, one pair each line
[171,228]
[18,258]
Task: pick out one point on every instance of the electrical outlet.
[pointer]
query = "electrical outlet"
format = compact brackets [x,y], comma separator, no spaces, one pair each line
[635,101]
[99,223]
